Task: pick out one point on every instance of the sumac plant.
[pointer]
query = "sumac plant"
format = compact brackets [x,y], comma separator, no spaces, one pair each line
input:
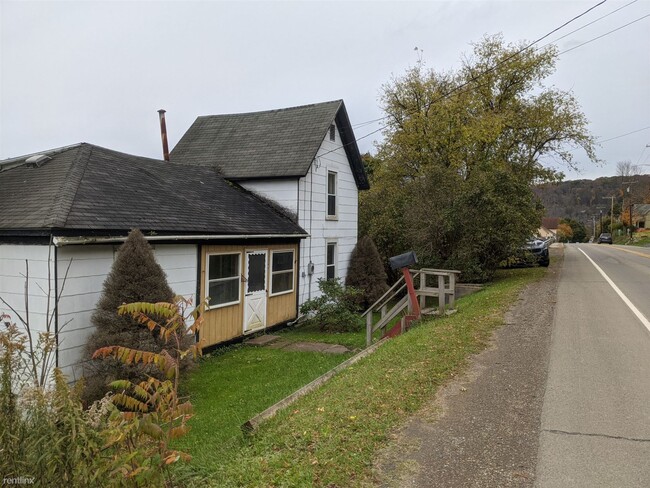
[152,411]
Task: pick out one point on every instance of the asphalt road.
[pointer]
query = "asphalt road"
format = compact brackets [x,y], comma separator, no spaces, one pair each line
[595,428]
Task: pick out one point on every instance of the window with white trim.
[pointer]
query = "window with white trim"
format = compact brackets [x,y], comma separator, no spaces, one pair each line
[281,272]
[332,132]
[223,284]
[331,194]
[330,264]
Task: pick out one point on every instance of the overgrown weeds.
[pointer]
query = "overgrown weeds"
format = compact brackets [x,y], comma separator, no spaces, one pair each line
[47,437]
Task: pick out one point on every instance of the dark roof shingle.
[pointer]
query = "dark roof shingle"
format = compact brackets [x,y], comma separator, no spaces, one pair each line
[87,187]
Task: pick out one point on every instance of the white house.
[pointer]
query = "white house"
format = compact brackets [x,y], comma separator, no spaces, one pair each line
[64,213]
[303,158]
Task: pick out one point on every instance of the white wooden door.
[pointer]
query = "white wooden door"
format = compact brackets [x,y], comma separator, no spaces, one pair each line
[255,291]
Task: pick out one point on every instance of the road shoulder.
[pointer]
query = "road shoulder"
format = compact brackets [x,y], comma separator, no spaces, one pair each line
[482,428]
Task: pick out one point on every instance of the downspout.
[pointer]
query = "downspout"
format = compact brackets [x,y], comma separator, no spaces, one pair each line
[310,265]
[56,305]
[298,283]
[199,267]
[298,271]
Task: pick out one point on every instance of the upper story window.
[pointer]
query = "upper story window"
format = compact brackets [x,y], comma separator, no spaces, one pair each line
[223,284]
[332,132]
[331,194]
[281,272]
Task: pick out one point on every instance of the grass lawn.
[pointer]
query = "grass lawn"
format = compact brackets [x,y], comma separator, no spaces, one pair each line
[231,386]
[330,437]
[309,333]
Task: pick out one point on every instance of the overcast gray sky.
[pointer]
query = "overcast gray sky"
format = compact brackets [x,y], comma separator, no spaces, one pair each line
[97,72]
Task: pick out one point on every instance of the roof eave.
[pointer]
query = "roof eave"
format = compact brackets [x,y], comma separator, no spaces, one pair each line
[60,241]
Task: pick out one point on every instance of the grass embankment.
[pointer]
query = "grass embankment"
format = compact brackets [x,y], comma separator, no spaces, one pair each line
[641,239]
[330,437]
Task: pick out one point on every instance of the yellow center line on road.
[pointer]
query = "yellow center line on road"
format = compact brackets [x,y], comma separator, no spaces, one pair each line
[632,252]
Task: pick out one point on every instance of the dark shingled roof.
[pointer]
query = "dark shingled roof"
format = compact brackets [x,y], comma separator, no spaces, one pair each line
[90,188]
[272,144]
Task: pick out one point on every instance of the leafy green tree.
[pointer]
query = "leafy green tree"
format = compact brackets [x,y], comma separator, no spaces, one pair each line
[453,178]
[134,277]
[564,232]
[578,230]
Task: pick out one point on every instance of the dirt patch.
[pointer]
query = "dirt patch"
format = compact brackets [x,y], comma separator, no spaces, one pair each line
[482,428]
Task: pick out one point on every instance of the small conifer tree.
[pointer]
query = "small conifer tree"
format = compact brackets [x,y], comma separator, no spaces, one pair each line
[134,277]
[366,272]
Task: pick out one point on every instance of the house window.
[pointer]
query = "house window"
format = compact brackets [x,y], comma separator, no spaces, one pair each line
[281,272]
[223,285]
[331,194]
[332,132]
[330,265]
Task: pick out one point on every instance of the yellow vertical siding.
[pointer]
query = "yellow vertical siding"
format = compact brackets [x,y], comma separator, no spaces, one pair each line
[222,324]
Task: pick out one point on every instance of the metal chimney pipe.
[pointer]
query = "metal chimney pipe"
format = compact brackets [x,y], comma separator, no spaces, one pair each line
[163,134]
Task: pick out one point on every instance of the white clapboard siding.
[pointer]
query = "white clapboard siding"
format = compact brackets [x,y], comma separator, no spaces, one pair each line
[282,191]
[312,215]
[83,287]
[13,273]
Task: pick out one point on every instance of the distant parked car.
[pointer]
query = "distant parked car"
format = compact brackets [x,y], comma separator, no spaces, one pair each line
[605,238]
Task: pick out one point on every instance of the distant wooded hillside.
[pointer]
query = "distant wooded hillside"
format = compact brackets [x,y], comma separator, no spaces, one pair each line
[580,199]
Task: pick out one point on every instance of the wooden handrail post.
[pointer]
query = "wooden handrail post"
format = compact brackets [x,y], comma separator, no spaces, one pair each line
[452,289]
[369,329]
[414,307]
[423,285]
[441,293]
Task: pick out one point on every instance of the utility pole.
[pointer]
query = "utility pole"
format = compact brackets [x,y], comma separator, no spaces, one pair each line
[601,221]
[611,221]
[593,218]
[629,202]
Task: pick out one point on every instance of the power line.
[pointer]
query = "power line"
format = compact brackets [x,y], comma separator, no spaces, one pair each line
[474,78]
[587,25]
[605,34]
[507,59]
[623,135]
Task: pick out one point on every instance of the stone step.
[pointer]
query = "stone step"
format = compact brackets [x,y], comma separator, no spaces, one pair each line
[262,340]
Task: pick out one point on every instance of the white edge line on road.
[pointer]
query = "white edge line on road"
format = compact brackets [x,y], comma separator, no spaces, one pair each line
[625,299]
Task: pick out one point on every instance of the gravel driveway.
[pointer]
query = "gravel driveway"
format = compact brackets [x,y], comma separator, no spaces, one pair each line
[482,429]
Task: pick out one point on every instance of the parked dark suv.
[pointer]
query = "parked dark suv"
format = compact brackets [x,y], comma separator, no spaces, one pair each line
[605,238]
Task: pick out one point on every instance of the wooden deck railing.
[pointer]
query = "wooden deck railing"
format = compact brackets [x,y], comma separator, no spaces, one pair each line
[439,283]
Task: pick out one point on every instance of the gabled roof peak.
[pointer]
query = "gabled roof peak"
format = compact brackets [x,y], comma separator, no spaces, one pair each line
[280,143]
[276,110]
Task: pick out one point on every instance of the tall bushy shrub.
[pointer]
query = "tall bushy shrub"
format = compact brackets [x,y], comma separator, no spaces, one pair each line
[366,272]
[335,310]
[134,277]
